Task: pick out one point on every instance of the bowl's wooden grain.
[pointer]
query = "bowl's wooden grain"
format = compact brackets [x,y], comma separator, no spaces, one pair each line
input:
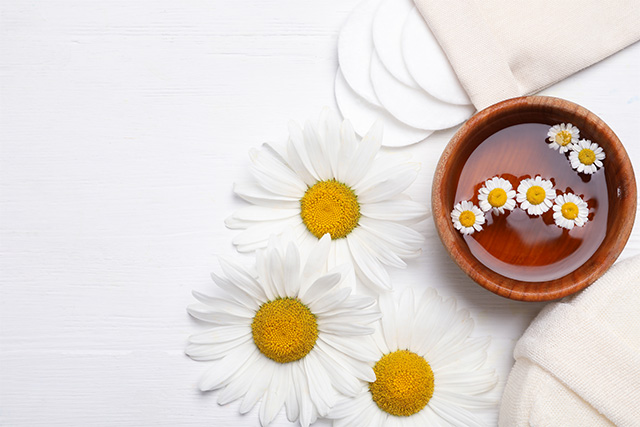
[621,187]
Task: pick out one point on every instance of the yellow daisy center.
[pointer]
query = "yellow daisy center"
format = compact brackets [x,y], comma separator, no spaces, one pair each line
[330,207]
[404,383]
[569,210]
[586,156]
[284,330]
[536,195]
[497,197]
[563,138]
[467,218]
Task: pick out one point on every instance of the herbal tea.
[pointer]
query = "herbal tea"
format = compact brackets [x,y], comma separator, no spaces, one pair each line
[520,244]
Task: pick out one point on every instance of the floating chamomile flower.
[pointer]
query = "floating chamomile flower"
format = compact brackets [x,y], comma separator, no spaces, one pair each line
[562,136]
[329,181]
[467,218]
[570,210]
[428,370]
[290,335]
[535,195]
[586,156]
[497,194]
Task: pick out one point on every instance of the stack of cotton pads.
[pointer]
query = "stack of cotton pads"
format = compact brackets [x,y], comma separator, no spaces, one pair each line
[392,69]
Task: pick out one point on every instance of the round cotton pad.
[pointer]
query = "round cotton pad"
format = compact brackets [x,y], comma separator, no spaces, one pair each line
[427,62]
[388,25]
[355,46]
[414,107]
[362,115]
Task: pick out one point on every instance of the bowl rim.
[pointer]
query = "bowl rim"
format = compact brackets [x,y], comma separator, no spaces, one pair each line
[488,278]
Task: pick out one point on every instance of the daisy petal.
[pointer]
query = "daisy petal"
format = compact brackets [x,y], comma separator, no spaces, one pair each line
[454,414]
[388,188]
[218,375]
[396,210]
[364,155]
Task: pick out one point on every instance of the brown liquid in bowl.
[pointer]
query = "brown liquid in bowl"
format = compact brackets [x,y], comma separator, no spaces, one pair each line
[523,247]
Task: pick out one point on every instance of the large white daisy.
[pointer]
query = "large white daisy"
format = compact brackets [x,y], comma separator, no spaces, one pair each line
[328,181]
[289,336]
[428,370]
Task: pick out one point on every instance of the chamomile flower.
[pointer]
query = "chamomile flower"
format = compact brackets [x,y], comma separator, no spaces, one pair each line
[329,181]
[288,335]
[586,156]
[497,195]
[467,218]
[428,370]
[562,136]
[570,210]
[535,195]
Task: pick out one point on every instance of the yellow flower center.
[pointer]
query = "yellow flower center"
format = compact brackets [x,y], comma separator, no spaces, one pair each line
[586,156]
[330,207]
[284,330]
[497,197]
[404,383]
[467,218]
[569,210]
[536,195]
[563,138]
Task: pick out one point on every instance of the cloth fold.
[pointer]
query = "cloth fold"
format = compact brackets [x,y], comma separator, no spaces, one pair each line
[501,49]
[578,363]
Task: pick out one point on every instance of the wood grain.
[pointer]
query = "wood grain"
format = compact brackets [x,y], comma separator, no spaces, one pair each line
[123,125]
[620,182]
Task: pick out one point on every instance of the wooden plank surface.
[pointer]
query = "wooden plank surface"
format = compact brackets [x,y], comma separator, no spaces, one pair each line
[123,126]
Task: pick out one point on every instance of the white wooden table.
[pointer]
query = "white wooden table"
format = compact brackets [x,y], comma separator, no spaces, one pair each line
[123,125]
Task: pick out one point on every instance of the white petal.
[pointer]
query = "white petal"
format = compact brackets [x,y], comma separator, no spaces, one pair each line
[260,232]
[260,384]
[368,267]
[317,261]
[359,369]
[455,415]
[356,348]
[254,193]
[220,334]
[298,156]
[229,306]
[320,287]
[292,270]
[316,151]
[239,276]
[275,176]
[347,148]
[291,400]
[402,238]
[205,313]
[405,318]
[364,155]
[396,210]
[221,371]
[252,214]
[388,188]
[321,391]
[275,395]
[329,132]
[378,248]
[341,378]
[203,352]
[329,301]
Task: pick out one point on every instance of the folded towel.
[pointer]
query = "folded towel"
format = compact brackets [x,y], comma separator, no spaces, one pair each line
[578,363]
[503,48]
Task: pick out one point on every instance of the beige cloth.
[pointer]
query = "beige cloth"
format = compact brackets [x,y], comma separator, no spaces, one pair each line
[578,363]
[501,49]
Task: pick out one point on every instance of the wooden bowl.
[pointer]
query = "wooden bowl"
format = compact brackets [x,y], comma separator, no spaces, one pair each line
[620,186]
